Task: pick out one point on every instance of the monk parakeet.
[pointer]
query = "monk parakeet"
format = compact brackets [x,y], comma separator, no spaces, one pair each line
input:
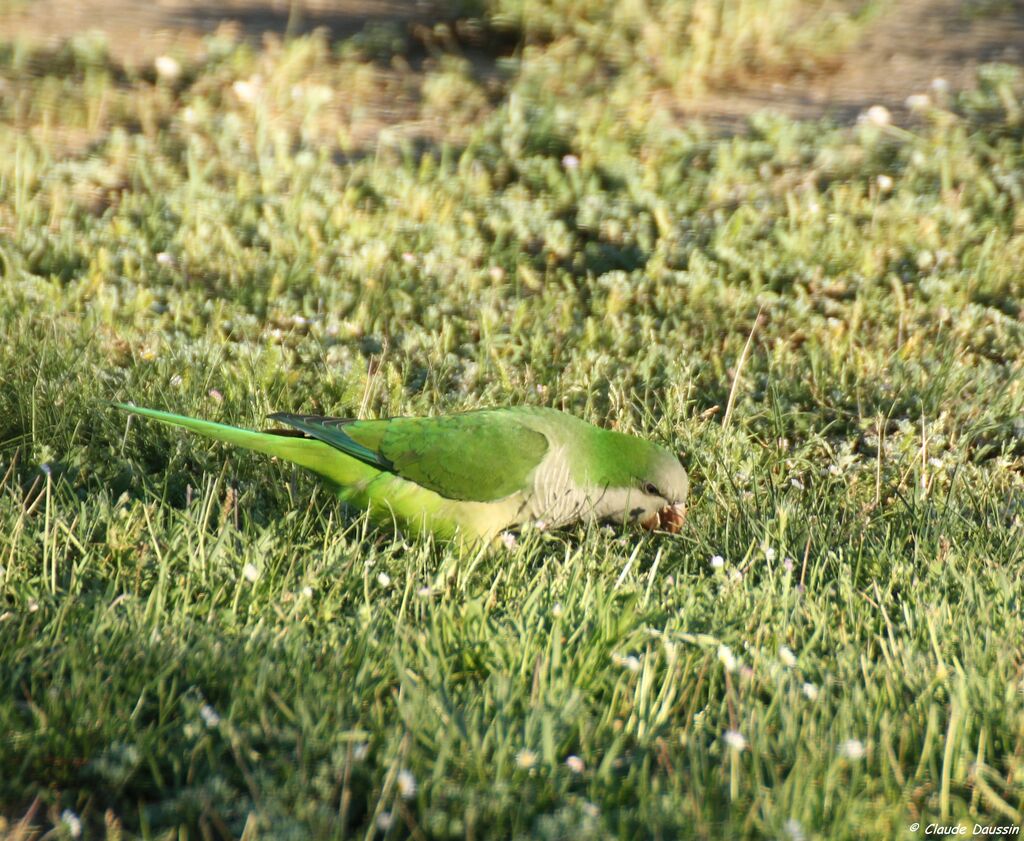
[474,475]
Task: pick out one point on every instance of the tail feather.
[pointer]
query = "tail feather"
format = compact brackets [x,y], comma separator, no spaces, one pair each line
[310,453]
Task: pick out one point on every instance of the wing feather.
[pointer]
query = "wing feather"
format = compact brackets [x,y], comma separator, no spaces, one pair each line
[334,435]
[478,456]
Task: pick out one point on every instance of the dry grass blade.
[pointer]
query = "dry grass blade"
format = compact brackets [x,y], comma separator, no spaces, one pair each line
[739,371]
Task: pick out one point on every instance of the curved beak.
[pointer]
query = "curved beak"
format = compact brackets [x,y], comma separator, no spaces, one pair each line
[668,519]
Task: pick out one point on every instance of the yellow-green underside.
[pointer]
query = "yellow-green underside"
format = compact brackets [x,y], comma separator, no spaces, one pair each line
[387,497]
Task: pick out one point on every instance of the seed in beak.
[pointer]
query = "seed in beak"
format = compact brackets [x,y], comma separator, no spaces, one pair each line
[670,519]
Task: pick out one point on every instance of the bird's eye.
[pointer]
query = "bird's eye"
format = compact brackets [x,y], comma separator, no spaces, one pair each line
[650,489]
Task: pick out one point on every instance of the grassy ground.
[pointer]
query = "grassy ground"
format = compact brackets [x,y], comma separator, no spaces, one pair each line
[195,643]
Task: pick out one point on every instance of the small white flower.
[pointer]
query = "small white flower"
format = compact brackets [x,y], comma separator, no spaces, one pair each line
[935,462]
[793,829]
[810,691]
[570,162]
[717,562]
[165,259]
[176,380]
[575,764]
[72,822]
[630,662]
[167,68]
[885,183]
[852,749]
[424,592]
[769,553]
[307,591]
[251,574]
[508,540]
[526,758]
[384,821]
[216,395]
[556,610]
[735,740]
[789,564]
[360,751]
[406,784]
[209,716]
[736,575]
[408,257]
[877,115]
[918,102]
[247,90]
[796,483]
[925,260]
[384,579]
[787,656]
[727,658]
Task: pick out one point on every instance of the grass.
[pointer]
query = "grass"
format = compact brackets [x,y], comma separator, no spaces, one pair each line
[199,643]
[683,46]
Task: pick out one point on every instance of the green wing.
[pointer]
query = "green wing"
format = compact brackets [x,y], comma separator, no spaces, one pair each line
[476,456]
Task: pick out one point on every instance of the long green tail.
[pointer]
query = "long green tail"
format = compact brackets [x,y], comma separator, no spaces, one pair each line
[388,497]
[314,455]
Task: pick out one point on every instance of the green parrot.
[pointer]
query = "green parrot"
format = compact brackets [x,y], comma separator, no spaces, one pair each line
[475,475]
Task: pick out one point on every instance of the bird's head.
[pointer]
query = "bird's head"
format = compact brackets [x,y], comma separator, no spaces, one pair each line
[634,480]
[662,490]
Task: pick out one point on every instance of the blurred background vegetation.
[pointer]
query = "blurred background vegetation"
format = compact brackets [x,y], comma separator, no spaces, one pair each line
[374,207]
